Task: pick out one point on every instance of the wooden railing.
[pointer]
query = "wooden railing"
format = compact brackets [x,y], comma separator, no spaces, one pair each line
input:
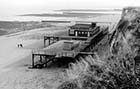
[59,54]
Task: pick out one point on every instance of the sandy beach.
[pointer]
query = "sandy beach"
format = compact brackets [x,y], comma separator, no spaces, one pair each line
[14,61]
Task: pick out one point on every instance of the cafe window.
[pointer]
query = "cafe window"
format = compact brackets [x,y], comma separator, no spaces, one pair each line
[72,31]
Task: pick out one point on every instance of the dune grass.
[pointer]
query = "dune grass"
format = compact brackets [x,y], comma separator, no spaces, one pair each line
[113,71]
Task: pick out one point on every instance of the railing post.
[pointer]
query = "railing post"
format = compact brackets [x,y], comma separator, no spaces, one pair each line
[49,40]
[44,41]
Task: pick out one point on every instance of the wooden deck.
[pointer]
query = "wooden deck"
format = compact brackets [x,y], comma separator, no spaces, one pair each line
[53,39]
[49,53]
[46,57]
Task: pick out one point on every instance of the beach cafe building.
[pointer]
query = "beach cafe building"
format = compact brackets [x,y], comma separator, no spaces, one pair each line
[83,30]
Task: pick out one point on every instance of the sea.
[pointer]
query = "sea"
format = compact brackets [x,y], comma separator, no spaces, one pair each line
[40,18]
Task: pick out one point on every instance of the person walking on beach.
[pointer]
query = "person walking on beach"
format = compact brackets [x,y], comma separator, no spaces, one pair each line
[20,45]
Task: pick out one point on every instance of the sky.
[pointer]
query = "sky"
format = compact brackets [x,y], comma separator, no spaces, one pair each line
[16,7]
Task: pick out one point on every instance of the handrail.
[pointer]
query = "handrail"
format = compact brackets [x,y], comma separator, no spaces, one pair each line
[39,51]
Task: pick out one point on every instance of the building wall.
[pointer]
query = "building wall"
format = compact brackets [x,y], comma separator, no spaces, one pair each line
[81,33]
[78,33]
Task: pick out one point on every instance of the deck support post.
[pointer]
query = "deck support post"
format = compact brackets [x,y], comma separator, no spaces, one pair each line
[53,40]
[49,41]
[57,38]
[33,60]
[40,58]
[44,42]
[46,60]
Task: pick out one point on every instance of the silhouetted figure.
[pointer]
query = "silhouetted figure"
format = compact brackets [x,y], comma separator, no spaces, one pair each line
[20,45]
